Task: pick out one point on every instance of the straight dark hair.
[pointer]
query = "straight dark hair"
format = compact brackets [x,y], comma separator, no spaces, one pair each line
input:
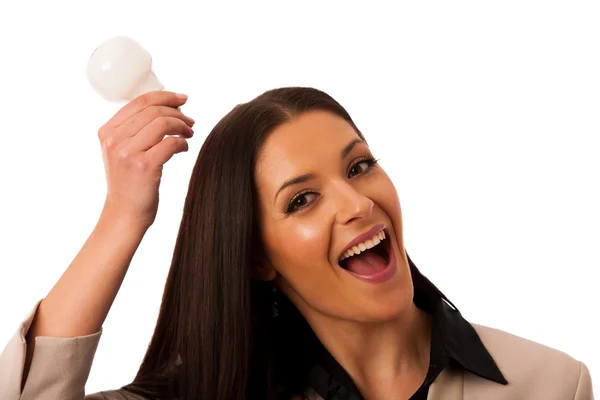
[217,335]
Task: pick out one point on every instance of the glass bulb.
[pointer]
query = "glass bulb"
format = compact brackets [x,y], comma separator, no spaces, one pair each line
[120,69]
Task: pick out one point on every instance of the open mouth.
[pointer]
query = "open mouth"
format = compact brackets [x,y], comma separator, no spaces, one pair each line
[369,257]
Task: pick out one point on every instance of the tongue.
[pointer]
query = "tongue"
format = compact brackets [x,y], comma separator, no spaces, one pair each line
[365,263]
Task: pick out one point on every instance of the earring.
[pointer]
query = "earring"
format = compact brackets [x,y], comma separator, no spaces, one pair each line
[274,304]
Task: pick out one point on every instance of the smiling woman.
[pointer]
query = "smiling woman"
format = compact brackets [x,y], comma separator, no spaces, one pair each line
[289,278]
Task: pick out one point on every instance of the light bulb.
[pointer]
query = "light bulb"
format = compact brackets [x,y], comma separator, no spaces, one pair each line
[120,69]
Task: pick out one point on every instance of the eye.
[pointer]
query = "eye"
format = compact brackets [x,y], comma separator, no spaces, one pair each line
[300,201]
[361,166]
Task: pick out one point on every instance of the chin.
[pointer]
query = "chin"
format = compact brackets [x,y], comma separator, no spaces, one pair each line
[388,301]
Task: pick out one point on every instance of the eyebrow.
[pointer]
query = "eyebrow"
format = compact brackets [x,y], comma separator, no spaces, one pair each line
[349,147]
[306,177]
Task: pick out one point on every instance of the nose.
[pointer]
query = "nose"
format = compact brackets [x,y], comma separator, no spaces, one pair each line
[351,204]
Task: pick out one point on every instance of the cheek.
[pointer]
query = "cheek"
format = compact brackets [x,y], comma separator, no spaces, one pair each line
[309,234]
[300,255]
[302,246]
[389,201]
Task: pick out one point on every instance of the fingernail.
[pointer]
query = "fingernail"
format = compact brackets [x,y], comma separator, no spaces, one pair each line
[182,96]
[192,120]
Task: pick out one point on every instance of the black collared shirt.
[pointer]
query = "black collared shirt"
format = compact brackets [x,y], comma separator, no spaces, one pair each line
[454,344]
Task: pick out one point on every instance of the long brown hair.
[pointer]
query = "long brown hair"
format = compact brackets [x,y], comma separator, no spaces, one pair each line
[217,335]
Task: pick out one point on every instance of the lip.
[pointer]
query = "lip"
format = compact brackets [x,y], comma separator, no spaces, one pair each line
[361,238]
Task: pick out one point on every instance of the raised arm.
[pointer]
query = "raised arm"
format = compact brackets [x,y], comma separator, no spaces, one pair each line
[51,355]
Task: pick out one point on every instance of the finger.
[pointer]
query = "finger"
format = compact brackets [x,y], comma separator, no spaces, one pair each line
[142,119]
[166,149]
[155,98]
[155,132]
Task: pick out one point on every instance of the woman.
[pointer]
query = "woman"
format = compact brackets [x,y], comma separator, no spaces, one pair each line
[289,278]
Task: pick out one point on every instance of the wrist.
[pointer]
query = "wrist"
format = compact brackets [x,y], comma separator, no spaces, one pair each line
[123,221]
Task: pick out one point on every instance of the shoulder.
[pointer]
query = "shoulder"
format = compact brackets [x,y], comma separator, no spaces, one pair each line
[531,367]
[119,394]
[507,346]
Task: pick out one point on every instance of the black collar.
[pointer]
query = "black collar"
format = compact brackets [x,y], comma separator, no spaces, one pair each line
[455,344]
[463,345]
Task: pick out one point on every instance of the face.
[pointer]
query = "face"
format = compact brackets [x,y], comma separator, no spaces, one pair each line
[319,190]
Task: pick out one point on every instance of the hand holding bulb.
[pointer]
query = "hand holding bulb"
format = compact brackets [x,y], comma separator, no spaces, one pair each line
[142,136]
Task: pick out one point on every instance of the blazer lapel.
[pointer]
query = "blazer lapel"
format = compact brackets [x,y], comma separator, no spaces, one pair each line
[447,386]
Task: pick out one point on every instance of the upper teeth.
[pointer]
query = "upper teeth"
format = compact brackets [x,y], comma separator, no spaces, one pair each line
[367,244]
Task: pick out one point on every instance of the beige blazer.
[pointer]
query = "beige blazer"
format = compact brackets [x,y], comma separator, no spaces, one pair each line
[60,369]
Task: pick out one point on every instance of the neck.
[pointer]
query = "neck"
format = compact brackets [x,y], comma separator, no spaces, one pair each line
[382,358]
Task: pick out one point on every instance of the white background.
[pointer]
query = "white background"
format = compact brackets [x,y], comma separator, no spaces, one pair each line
[485,114]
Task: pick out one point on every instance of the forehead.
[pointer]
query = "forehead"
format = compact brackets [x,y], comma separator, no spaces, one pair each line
[314,138]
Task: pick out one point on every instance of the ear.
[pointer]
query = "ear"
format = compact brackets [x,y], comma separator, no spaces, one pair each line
[263,271]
